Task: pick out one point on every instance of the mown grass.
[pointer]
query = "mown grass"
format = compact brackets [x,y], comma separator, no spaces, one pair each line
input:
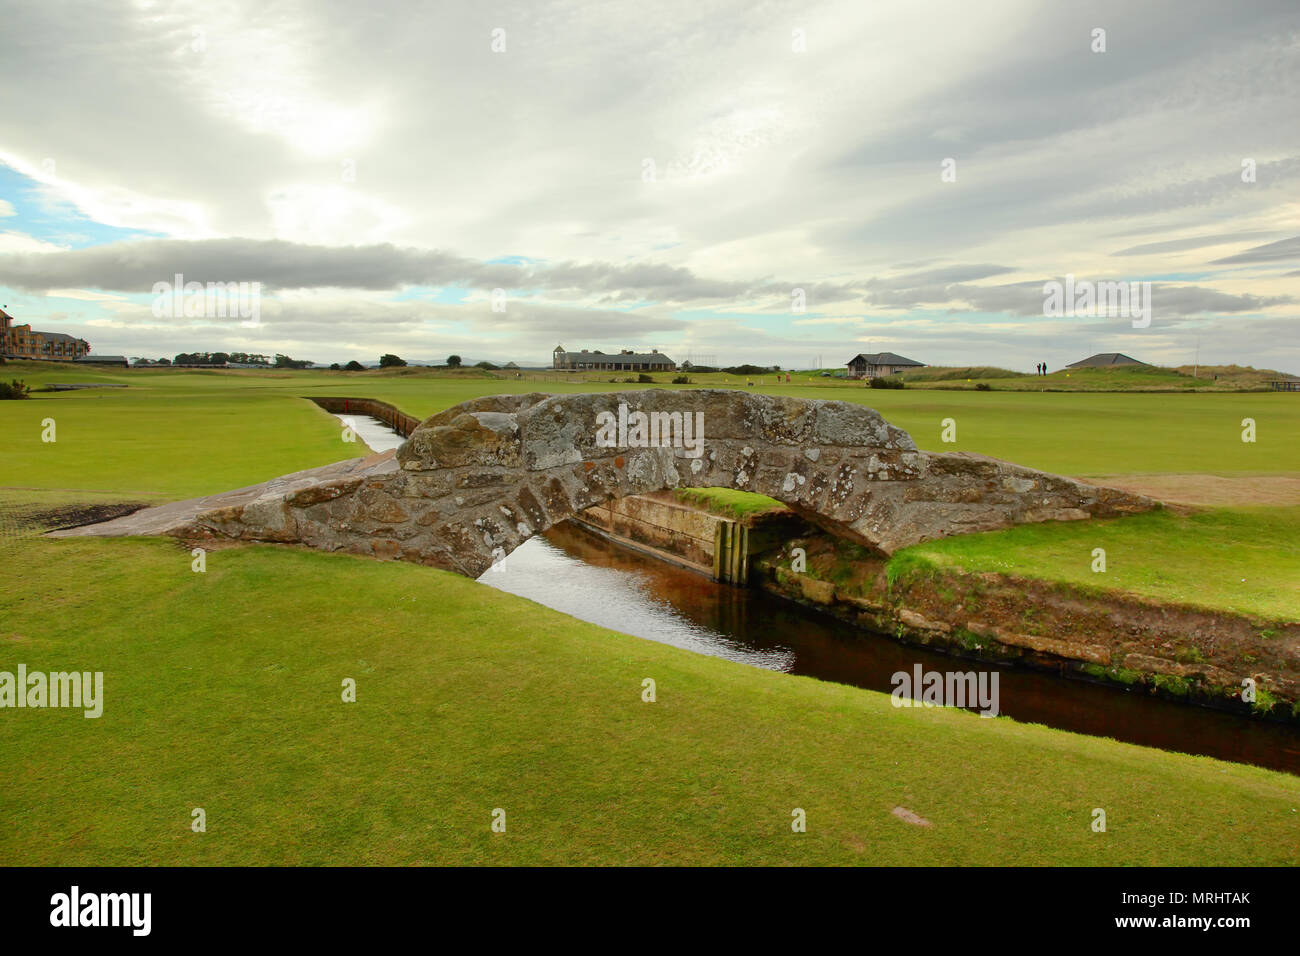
[223,691]
[177,434]
[1121,378]
[1082,433]
[1239,559]
[165,438]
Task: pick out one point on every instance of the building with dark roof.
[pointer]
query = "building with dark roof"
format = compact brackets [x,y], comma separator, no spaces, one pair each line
[877,364]
[23,342]
[1106,360]
[102,360]
[624,361]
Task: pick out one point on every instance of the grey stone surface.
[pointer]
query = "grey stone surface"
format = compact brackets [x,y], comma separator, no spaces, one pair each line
[475,481]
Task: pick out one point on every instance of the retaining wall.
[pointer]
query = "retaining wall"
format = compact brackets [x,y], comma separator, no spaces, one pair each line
[390,415]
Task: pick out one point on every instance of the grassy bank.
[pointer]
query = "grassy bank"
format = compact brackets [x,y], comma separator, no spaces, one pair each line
[1245,560]
[222,691]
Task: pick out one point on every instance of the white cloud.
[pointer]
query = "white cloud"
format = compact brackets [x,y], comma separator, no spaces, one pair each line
[330,127]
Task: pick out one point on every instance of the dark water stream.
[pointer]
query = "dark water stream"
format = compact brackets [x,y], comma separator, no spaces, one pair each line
[582,574]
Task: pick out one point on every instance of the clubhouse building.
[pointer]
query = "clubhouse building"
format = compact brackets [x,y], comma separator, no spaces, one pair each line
[624,361]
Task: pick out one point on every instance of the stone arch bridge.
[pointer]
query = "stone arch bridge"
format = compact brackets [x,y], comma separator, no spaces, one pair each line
[474,482]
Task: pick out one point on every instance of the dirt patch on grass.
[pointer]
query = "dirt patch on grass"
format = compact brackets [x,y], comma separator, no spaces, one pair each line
[24,520]
[1214,491]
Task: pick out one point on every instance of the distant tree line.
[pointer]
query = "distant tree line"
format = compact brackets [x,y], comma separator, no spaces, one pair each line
[389,360]
[237,358]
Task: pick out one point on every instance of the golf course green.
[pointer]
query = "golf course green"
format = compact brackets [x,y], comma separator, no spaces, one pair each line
[224,689]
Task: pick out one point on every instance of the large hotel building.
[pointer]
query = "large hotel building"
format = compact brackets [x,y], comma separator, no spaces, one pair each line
[20,341]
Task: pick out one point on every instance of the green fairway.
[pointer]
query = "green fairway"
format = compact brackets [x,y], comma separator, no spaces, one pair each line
[1067,433]
[223,691]
[178,434]
[176,443]
[223,688]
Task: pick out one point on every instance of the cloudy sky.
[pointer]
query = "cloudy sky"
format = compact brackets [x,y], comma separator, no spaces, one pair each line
[666,175]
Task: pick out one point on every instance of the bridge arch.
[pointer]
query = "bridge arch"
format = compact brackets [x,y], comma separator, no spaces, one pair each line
[474,482]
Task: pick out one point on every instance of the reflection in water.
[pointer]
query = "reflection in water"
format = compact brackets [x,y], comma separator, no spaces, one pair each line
[584,575]
[372,431]
[587,577]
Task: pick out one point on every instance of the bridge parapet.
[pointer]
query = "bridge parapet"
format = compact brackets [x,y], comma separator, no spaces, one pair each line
[474,482]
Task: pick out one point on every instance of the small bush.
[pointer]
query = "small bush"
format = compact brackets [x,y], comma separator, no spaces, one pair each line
[14,389]
[643,378]
[887,382]
[681,380]
[983,387]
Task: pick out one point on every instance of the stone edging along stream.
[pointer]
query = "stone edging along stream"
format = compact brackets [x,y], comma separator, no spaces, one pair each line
[390,415]
[1182,653]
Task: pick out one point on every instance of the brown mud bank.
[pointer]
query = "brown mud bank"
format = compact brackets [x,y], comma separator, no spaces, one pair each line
[1187,654]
